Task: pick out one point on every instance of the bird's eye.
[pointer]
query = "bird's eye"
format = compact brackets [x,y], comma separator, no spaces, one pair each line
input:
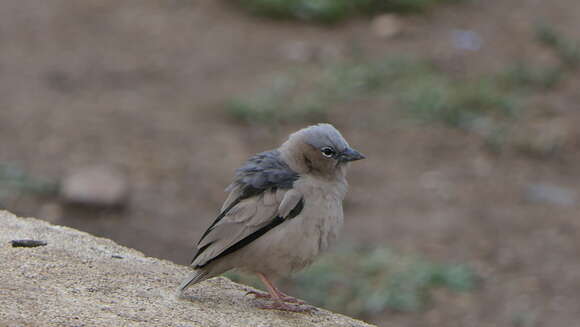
[327,151]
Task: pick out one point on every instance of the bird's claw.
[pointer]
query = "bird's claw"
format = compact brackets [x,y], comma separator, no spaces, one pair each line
[259,295]
[283,297]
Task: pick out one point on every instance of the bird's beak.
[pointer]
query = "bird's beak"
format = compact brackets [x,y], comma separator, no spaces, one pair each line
[350,155]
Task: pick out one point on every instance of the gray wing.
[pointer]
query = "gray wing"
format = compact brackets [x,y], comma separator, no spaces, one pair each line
[260,198]
[245,222]
[261,172]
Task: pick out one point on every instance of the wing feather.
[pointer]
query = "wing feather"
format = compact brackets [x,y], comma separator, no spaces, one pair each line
[244,221]
[260,198]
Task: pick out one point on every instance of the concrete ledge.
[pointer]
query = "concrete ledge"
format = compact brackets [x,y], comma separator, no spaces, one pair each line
[81,280]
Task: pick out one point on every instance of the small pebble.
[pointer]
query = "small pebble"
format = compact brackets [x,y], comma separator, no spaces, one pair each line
[467,40]
[551,194]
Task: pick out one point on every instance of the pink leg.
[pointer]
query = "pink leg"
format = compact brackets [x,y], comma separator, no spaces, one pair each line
[280,298]
[273,292]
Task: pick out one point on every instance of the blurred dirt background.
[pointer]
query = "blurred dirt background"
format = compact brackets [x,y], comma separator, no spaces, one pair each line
[139,86]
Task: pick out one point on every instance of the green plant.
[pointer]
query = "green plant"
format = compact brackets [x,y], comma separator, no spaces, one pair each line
[276,104]
[483,106]
[525,319]
[307,95]
[567,50]
[324,11]
[351,79]
[362,280]
[401,6]
[333,11]
[461,104]
[14,180]
[523,75]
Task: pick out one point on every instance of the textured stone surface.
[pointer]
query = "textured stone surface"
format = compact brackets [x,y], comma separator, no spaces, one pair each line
[81,280]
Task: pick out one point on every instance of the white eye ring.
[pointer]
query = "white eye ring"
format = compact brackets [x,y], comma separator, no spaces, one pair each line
[327,151]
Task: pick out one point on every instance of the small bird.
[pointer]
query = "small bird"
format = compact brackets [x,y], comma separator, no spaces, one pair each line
[284,208]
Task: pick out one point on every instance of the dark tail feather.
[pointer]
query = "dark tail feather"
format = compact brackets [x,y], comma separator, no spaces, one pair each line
[197,276]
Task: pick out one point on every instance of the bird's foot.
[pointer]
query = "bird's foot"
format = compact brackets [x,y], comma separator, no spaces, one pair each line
[283,297]
[284,306]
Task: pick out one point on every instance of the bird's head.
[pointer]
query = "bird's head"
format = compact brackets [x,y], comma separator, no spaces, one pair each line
[319,150]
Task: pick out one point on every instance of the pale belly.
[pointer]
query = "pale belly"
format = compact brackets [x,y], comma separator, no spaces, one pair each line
[295,243]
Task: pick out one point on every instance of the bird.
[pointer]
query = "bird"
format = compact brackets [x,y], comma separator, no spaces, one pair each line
[283,209]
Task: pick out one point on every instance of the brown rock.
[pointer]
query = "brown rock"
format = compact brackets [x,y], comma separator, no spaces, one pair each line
[100,186]
[81,280]
[386,26]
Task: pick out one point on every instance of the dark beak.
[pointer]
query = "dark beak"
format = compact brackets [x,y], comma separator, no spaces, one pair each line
[350,155]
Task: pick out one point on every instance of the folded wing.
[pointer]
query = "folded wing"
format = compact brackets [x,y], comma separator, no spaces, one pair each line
[261,198]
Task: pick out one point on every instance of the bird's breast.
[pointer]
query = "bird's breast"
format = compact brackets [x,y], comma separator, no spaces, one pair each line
[296,242]
[322,215]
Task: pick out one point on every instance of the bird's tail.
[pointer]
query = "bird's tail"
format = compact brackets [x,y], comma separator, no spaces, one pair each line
[197,276]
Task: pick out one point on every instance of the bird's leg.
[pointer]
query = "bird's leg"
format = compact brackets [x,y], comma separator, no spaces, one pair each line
[280,299]
[273,290]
